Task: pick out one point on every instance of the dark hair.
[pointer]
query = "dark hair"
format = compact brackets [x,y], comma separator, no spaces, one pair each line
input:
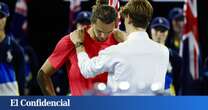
[103,12]
[101,2]
[140,12]
[83,17]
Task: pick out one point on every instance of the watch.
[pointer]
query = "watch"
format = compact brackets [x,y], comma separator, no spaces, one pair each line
[79,44]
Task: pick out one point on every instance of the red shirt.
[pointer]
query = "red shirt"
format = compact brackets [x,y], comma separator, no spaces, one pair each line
[65,53]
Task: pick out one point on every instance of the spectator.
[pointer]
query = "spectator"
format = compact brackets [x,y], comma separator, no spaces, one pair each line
[12,63]
[160,27]
[176,18]
[83,19]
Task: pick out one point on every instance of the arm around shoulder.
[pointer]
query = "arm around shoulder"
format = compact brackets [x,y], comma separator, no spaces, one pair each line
[91,67]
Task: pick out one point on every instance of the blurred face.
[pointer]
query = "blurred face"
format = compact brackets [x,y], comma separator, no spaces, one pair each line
[2,22]
[178,26]
[102,30]
[159,34]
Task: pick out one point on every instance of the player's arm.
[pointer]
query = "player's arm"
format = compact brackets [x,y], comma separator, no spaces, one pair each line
[44,78]
[53,63]
[94,66]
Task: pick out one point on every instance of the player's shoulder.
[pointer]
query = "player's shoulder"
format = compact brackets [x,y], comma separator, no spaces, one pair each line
[65,38]
[160,48]
[164,50]
[65,41]
[76,33]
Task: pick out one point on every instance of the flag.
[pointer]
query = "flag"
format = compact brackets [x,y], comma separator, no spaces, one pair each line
[114,3]
[189,50]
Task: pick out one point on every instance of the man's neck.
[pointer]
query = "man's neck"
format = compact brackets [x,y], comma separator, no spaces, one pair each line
[134,29]
[2,36]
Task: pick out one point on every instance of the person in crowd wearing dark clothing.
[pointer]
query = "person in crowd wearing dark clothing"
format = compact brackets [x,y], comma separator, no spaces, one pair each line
[12,63]
[160,27]
[18,27]
[83,19]
[176,18]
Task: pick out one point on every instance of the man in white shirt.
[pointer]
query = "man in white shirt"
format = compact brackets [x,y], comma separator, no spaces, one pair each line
[139,61]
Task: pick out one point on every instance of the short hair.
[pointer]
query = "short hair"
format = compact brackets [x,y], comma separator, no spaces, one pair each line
[140,11]
[103,12]
[102,2]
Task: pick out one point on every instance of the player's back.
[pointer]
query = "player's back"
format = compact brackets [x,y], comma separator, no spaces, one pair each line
[142,61]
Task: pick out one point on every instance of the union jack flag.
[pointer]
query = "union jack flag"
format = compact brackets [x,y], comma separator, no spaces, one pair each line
[114,3]
[189,50]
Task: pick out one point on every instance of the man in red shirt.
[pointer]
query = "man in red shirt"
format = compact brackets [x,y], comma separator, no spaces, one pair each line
[99,36]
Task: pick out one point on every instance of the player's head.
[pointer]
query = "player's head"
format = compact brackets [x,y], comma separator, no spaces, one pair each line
[159,29]
[4,13]
[103,21]
[83,19]
[137,13]
[176,17]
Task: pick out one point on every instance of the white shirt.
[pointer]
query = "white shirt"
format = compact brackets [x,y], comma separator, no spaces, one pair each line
[138,61]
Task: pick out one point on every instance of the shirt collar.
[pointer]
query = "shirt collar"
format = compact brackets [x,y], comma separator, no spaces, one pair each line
[138,35]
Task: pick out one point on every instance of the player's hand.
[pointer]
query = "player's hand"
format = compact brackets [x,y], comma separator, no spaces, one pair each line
[77,36]
[119,35]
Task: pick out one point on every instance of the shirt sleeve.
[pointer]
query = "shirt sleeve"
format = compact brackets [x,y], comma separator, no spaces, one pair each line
[61,52]
[104,62]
